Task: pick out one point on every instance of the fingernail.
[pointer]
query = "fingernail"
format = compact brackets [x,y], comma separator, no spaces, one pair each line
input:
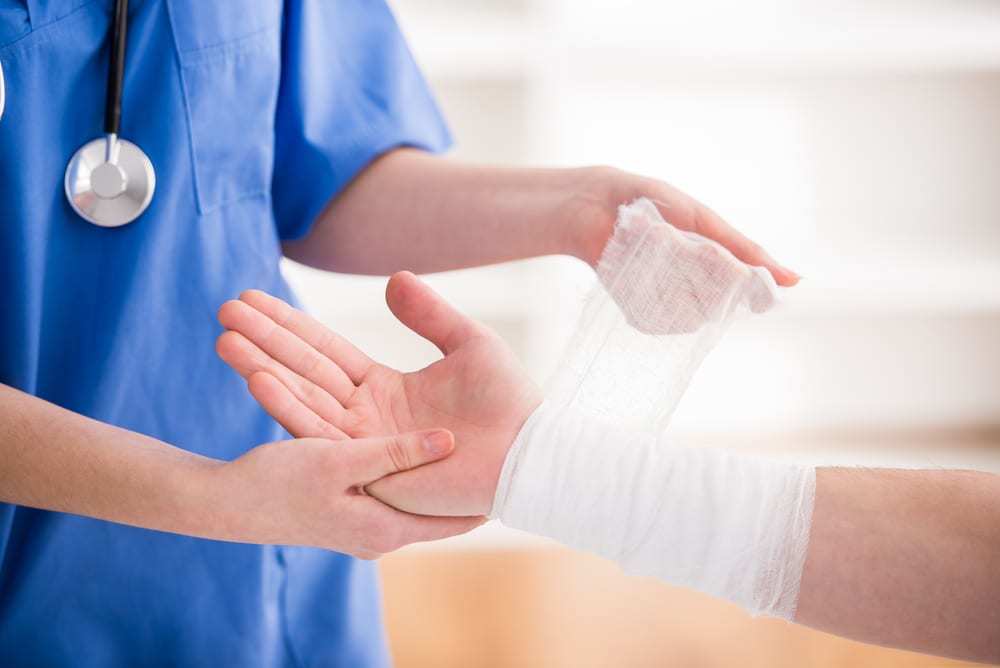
[790,274]
[437,442]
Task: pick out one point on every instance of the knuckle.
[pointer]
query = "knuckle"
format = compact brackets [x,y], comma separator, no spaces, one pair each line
[325,429]
[283,314]
[311,393]
[310,361]
[397,453]
[326,341]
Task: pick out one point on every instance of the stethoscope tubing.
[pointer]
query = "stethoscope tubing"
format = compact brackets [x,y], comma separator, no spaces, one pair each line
[116,69]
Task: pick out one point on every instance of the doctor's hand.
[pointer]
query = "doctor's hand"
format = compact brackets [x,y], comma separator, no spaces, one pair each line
[600,190]
[315,383]
[310,492]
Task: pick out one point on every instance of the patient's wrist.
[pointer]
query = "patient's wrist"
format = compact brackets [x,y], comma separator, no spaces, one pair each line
[733,527]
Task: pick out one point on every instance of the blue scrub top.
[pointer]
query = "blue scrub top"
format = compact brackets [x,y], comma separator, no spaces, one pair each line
[254,114]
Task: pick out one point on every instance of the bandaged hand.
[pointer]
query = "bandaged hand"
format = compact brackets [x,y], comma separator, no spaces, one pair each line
[316,384]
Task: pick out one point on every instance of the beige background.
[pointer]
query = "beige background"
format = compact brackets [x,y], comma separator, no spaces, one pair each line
[557,609]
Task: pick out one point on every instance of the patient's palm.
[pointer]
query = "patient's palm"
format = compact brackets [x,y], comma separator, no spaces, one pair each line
[478,391]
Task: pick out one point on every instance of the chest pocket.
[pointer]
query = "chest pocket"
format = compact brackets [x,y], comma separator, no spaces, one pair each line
[14,21]
[229,53]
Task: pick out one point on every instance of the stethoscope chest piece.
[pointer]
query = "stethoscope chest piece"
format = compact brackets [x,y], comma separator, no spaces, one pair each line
[3,91]
[110,182]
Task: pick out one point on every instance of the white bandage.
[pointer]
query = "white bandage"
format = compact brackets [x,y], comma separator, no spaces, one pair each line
[591,467]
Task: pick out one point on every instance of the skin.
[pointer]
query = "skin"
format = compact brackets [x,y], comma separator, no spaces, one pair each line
[304,492]
[906,559]
[314,382]
[405,210]
[424,213]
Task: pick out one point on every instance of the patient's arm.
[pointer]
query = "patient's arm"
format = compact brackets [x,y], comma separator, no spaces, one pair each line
[904,559]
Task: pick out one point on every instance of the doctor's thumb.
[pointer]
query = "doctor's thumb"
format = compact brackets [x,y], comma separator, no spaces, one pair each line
[375,458]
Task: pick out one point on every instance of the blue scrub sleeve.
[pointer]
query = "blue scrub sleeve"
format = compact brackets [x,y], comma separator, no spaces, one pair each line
[350,91]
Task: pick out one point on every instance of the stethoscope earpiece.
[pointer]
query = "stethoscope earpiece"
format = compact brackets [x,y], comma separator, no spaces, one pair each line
[109,181]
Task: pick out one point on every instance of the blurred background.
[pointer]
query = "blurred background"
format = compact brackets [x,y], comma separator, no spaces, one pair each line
[858,140]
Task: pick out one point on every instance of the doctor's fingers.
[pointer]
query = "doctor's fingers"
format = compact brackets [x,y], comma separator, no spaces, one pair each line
[695,217]
[287,410]
[387,529]
[247,359]
[284,347]
[335,347]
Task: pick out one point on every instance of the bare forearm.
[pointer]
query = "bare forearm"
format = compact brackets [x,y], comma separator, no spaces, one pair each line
[908,559]
[54,459]
[414,211]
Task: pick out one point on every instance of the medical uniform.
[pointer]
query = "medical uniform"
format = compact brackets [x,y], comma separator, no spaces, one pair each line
[254,114]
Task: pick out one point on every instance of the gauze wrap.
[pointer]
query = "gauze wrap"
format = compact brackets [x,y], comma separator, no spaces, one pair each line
[591,467]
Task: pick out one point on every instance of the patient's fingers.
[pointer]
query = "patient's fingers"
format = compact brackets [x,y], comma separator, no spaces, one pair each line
[354,362]
[247,359]
[427,313]
[286,348]
[297,418]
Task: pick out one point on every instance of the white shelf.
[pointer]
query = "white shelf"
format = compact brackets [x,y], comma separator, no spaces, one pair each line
[466,44]
[897,285]
[502,292]
[908,285]
[790,35]
[638,39]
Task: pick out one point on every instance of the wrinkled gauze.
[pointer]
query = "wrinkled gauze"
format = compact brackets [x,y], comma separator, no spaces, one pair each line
[591,467]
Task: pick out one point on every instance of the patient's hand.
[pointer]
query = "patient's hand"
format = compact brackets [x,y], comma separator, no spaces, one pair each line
[316,384]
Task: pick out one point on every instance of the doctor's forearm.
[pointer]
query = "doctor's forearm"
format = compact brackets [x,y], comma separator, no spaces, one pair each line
[54,459]
[907,559]
[410,210]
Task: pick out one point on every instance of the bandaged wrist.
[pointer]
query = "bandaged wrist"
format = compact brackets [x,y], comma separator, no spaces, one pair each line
[591,466]
[730,526]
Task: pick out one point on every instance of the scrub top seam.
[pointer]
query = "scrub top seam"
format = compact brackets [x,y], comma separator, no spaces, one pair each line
[235,45]
[195,185]
[286,632]
[261,193]
[15,46]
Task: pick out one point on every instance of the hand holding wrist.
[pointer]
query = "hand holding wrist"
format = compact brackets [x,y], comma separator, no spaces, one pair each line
[308,492]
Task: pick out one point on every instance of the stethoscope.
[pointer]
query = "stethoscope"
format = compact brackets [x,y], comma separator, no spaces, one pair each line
[110,181]
[3,92]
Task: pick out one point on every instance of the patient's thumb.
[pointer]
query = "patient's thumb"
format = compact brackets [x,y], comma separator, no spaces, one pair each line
[425,312]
